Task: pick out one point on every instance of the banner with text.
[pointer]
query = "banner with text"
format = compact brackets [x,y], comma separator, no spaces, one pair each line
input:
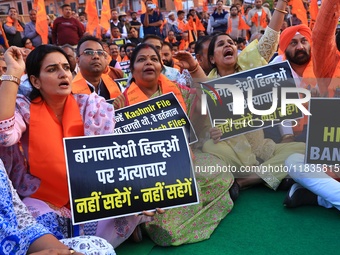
[122,83]
[157,113]
[323,136]
[125,65]
[259,81]
[115,175]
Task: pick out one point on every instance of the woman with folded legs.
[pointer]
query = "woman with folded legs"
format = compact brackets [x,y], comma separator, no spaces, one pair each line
[193,223]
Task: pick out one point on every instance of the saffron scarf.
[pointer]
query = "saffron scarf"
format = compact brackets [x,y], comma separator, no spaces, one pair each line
[241,24]
[10,22]
[79,85]
[134,94]
[46,151]
[263,19]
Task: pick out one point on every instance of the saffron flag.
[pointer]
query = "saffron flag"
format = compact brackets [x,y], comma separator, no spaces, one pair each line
[92,16]
[205,5]
[313,10]
[263,19]
[299,10]
[4,35]
[163,24]
[241,23]
[105,15]
[143,7]
[178,5]
[242,10]
[41,25]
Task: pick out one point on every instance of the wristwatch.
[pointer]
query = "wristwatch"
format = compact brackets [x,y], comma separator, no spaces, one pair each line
[6,77]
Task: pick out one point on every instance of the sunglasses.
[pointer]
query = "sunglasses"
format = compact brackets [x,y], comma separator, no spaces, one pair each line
[91,53]
[130,50]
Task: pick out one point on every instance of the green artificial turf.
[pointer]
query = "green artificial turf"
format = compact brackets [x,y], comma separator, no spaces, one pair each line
[259,224]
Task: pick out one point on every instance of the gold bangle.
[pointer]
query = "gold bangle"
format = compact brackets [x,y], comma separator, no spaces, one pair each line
[282,11]
[195,68]
[6,77]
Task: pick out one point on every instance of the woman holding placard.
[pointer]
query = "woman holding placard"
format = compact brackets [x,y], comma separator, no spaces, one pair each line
[193,223]
[40,123]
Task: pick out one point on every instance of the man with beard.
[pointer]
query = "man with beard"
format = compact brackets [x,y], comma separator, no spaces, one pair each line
[319,187]
[201,53]
[129,48]
[236,24]
[166,54]
[134,22]
[295,44]
[94,73]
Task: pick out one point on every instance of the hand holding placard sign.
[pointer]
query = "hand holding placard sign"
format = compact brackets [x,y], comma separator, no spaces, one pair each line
[323,134]
[157,113]
[237,103]
[115,175]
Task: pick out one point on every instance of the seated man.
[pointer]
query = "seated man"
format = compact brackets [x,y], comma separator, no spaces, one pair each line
[314,187]
[317,186]
[94,73]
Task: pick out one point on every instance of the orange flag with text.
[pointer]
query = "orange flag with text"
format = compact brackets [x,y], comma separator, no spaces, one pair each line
[41,23]
[92,16]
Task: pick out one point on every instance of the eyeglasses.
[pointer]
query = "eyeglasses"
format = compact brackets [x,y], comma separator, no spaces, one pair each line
[91,53]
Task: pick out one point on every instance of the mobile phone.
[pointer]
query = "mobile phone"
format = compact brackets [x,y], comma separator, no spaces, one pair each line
[152,6]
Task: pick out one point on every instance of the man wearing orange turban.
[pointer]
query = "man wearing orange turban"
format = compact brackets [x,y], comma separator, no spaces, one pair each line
[319,187]
[295,44]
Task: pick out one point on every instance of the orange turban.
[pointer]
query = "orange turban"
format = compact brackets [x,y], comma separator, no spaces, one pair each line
[288,34]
